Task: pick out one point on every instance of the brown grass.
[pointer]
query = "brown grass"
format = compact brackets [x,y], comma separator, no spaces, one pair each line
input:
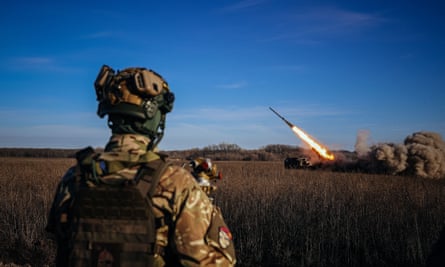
[27,186]
[278,217]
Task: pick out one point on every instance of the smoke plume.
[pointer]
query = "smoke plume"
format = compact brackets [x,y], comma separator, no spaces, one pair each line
[422,154]
[361,145]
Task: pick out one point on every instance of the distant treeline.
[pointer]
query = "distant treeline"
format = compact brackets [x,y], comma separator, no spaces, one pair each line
[37,152]
[221,151]
[233,152]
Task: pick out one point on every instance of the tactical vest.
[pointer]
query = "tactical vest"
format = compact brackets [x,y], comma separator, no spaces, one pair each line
[113,223]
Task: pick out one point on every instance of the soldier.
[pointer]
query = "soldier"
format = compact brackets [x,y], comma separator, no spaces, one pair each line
[189,230]
[205,172]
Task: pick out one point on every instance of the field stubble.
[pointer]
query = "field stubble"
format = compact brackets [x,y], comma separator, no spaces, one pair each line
[27,187]
[278,217]
[312,218]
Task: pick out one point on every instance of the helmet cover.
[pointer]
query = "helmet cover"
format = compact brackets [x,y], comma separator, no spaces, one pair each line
[136,101]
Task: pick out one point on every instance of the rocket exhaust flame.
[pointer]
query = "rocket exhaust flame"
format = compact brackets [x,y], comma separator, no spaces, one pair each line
[322,151]
[318,148]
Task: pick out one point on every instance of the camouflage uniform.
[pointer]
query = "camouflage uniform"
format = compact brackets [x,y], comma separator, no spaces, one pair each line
[192,232]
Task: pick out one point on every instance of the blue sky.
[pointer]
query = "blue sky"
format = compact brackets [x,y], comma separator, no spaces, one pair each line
[333,68]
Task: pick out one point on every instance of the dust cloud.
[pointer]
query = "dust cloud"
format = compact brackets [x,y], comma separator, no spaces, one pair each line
[361,145]
[422,154]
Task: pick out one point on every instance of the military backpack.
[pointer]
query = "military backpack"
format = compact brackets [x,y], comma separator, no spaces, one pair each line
[113,222]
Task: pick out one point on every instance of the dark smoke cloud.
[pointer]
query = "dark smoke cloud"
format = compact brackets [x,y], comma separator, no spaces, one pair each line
[422,154]
[392,157]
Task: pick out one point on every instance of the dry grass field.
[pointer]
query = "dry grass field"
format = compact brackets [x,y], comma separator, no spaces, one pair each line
[278,217]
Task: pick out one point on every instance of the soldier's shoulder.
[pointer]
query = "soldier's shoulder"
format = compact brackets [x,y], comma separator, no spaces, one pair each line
[177,176]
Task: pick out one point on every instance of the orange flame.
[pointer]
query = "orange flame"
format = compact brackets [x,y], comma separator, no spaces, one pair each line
[322,151]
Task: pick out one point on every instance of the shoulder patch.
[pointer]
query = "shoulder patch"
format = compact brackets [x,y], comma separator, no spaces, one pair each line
[224,237]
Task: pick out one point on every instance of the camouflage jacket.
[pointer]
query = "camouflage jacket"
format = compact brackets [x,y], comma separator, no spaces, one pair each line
[193,233]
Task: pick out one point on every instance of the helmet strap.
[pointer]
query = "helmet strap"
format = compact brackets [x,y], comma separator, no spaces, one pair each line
[160,133]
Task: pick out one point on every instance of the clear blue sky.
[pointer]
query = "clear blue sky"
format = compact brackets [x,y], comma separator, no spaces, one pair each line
[333,68]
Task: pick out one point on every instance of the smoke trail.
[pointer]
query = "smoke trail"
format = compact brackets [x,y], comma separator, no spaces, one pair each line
[421,154]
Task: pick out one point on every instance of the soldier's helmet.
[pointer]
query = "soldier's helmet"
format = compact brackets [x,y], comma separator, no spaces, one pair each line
[205,167]
[136,101]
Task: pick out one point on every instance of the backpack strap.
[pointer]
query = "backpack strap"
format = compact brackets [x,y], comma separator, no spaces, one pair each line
[146,181]
[149,175]
[85,163]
